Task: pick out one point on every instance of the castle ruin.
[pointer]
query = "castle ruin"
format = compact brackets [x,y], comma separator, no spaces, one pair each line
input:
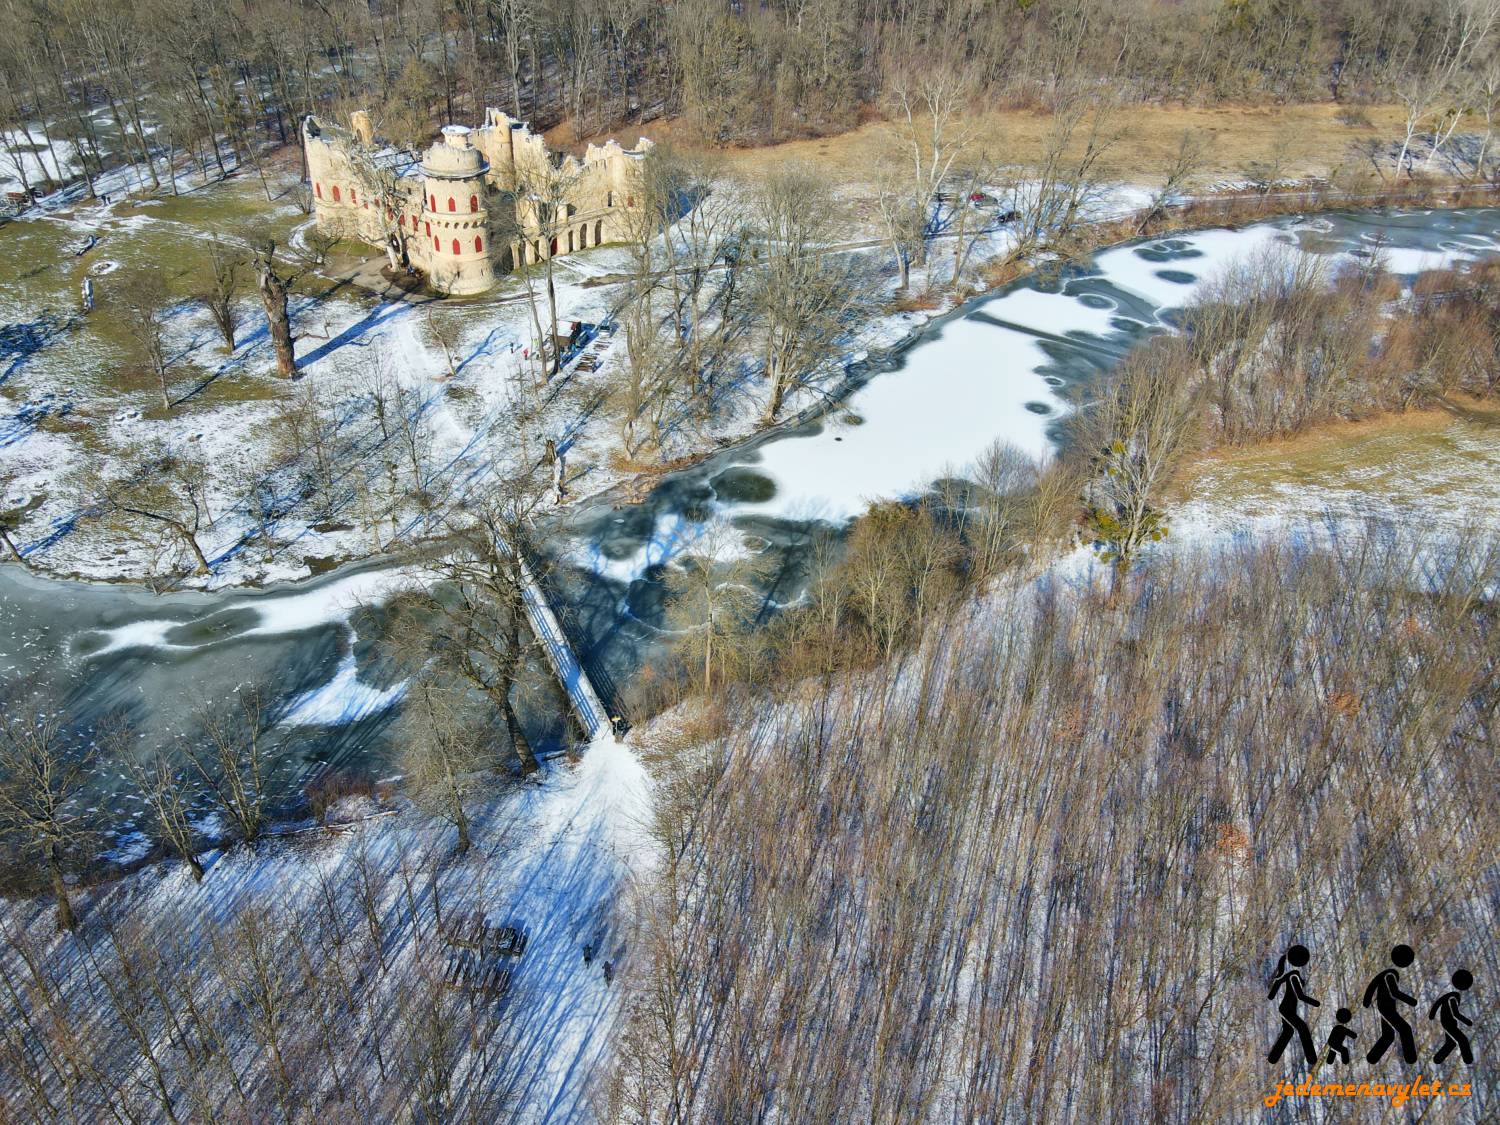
[477,204]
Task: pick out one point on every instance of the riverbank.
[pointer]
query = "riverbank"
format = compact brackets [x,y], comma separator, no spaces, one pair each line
[468,407]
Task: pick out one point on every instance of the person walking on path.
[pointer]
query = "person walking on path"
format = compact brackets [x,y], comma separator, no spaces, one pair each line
[1289,983]
[1384,992]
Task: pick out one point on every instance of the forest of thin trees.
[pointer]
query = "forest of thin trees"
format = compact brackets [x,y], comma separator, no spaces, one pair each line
[122,83]
[1039,868]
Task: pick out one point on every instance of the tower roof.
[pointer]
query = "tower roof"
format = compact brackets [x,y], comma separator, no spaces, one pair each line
[454,157]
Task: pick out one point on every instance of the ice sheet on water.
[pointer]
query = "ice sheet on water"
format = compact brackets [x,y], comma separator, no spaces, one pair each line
[962,390]
[331,603]
[343,699]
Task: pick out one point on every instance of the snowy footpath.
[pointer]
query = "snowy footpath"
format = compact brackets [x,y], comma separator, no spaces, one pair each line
[552,856]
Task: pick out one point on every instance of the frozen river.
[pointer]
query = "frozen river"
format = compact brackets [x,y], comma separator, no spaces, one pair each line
[1005,366]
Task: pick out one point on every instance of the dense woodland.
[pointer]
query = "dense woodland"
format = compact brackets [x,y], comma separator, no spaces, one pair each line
[195,76]
[1040,868]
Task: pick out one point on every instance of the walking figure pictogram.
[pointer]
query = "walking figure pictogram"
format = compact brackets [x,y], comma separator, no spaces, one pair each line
[1446,1012]
[1339,1038]
[1289,983]
[1385,991]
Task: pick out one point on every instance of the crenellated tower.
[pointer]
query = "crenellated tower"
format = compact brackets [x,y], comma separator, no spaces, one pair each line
[454,212]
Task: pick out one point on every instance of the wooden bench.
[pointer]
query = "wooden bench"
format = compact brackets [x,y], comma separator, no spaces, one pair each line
[475,932]
[488,978]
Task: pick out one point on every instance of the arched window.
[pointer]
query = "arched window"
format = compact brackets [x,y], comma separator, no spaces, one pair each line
[428,226]
[473,203]
[456,250]
[478,244]
[570,242]
[318,190]
[452,204]
[353,197]
[609,199]
[433,197]
[599,232]
[436,245]
[335,193]
[401,221]
[554,247]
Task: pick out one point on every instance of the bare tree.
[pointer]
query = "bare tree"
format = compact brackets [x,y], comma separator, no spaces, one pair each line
[227,752]
[471,627]
[164,786]
[44,765]
[272,281]
[160,490]
[147,306]
[1186,163]
[713,595]
[800,291]
[222,288]
[1052,196]
[932,103]
[545,190]
[445,753]
[903,219]
[1137,434]
[258,975]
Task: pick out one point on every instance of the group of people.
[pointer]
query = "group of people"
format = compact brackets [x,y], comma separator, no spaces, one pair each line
[1383,994]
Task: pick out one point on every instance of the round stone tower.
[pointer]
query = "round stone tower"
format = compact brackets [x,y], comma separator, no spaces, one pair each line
[458,250]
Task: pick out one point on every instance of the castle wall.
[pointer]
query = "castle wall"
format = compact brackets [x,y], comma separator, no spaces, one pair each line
[341,203]
[472,183]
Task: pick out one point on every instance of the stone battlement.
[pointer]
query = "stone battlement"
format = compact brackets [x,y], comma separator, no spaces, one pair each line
[477,204]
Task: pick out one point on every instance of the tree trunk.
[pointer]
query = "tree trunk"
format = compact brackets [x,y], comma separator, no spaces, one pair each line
[273,297]
[461,822]
[552,310]
[778,390]
[708,655]
[10,547]
[524,753]
[66,920]
[192,541]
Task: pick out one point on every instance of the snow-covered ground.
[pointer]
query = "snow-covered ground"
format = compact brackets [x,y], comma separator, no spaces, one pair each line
[552,856]
[1438,478]
[972,383]
[991,375]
